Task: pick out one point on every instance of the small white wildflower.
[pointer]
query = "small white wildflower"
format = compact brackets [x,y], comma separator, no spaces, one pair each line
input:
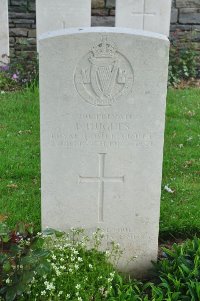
[60,293]
[43,293]
[62,267]
[54,257]
[80,299]
[8,280]
[68,296]
[78,286]
[80,259]
[70,270]
[58,273]
[107,253]
[90,266]
[76,266]
[168,189]
[62,259]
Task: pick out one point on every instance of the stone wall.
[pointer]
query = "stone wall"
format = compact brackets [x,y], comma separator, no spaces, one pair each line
[185,21]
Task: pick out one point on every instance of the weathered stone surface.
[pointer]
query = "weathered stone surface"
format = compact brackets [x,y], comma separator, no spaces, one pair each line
[150,15]
[4,32]
[32,6]
[189,16]
[181,27]
[19,2]
[32,33]
[24,21]
[102,132]
[110,3]
[19,15]
[98,3]
[174,15]
[112,12]
[19,32]
[54,15]
[100,12]
[187,3]
[103,21]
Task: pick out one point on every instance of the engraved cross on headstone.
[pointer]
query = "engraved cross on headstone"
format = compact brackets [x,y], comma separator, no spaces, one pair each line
[144,13]
[101,179]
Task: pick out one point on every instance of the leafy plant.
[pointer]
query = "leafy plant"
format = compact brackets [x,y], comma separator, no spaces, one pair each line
[21,256]
[179,272]
[79,270]
[71,266]
[22,71]
[183,60]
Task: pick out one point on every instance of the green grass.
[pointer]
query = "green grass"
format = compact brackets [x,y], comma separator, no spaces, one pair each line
[20,157]
[20,161]
[180,211]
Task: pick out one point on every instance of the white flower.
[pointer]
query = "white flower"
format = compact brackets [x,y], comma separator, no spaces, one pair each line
[58,273]
[54,257]
[76,266]
[62,267]
[80,259]
[68,296]
[107,253]
[70,270]
[168,189]
[80,299]
[43,293]
[8,280]
[49,286]
[62,259]
[90,266]
[78,286]
[60,293]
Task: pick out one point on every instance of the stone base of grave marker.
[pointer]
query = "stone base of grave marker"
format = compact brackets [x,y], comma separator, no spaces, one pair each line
[102,128]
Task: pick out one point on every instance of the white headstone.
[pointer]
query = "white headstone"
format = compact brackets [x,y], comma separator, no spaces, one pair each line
[102,123]
[4,31]
[150,15]
[58,14]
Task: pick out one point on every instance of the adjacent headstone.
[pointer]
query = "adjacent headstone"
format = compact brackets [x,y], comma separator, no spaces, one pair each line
[102,123]
[58,14]
[4,32]
[150,15]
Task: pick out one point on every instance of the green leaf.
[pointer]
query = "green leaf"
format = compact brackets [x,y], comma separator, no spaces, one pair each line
[7,266]
[11,294]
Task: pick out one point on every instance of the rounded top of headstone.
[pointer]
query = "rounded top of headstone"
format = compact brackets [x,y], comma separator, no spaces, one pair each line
[122,30]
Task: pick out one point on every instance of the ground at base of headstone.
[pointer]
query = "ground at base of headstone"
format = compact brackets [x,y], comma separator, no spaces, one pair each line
[60,266]
[191,83]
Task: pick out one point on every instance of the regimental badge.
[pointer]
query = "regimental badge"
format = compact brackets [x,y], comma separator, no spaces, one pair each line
[103,75]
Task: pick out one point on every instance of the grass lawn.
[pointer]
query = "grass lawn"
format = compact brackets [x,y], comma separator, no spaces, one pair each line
[20,161]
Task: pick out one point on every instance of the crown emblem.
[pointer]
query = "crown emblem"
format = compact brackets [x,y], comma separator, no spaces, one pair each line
[104,49]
